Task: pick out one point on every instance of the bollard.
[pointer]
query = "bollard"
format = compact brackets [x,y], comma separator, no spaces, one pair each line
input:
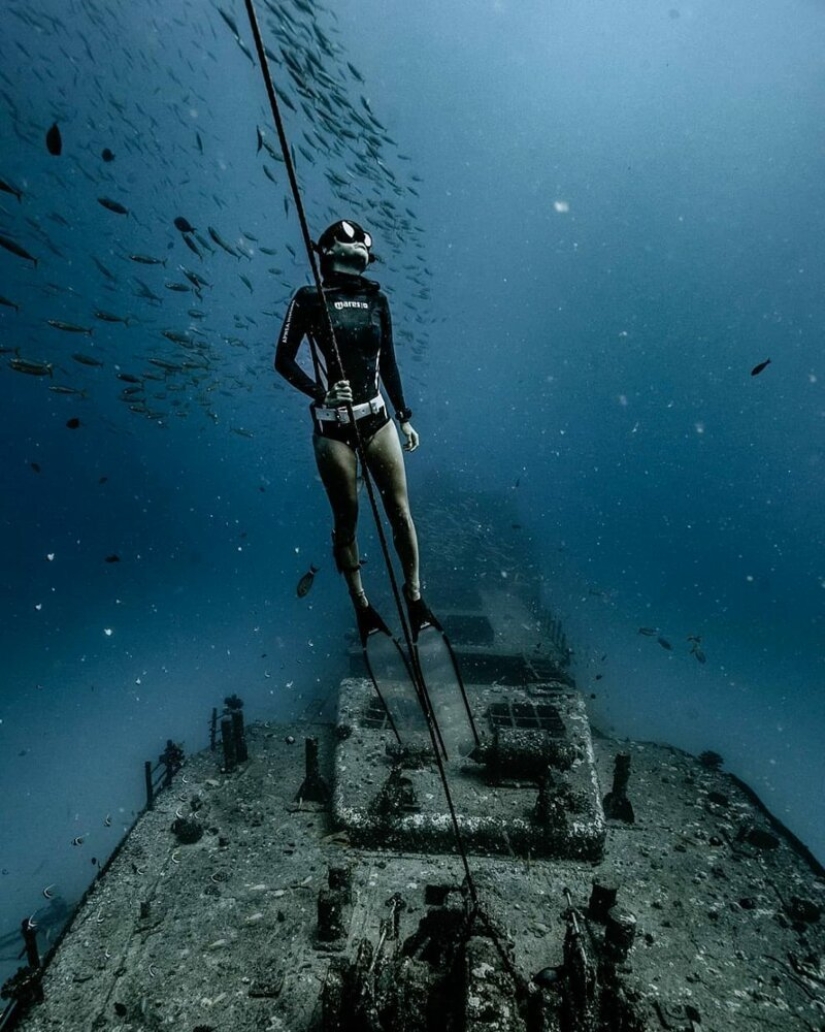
[213,729]
[602,897]
[29,929]
[620,931]
[331,923]
[228,742]
[616,804]
[239,737]
[313,788]
[340,879]
[333,904]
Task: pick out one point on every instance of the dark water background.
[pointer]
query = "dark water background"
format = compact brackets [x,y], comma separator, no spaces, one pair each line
[618,212]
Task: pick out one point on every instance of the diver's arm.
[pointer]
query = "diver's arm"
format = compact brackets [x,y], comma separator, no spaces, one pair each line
[296,326]
[387,364]
[391,378]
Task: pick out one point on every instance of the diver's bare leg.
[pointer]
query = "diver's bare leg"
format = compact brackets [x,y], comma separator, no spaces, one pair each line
[338,468]
[386,463]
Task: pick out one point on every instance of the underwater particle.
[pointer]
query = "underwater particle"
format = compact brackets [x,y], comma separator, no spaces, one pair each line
[50,556]
[757,369]
[562,207]
[107,155]
[54,141]
[108,632]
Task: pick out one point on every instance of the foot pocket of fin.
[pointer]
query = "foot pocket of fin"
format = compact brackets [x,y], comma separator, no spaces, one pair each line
[420,616]
[369,622]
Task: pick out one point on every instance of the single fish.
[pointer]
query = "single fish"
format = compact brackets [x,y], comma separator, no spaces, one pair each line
[59,388]
[23,365]
[260,139]
[649,631]
[88,360]
[193,247]
[194,278]
[114,558]
[8,188]
[79,840]
[107,155]
[54,141]
[664,643]
[146,259]
[184,225]
[68,327]
[73,424]
[111,317]
[128,378]
[114,206]
[9,304]
[15,248]
[222,243]
[305,583]
[230,21]
[757,369]
[109,275]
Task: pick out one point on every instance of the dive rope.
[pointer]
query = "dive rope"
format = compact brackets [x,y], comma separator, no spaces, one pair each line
[418,680]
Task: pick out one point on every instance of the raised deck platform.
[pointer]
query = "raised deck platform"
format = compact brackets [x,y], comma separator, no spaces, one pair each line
[391,794]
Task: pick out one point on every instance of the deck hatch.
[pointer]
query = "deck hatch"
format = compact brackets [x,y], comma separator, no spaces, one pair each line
[527,715]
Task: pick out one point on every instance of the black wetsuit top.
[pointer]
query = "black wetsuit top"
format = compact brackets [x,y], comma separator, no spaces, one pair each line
[360,315]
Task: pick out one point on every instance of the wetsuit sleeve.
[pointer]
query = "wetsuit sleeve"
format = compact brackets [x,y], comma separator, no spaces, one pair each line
[388,366]
[297,324]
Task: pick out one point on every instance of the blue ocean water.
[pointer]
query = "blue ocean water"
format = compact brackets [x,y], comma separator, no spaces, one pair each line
[594,220]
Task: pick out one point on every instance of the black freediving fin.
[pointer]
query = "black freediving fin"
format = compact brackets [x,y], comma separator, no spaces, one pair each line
[437,666]
[392,676]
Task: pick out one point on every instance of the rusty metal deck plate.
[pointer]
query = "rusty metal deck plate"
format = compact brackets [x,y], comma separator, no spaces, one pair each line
[530,789]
